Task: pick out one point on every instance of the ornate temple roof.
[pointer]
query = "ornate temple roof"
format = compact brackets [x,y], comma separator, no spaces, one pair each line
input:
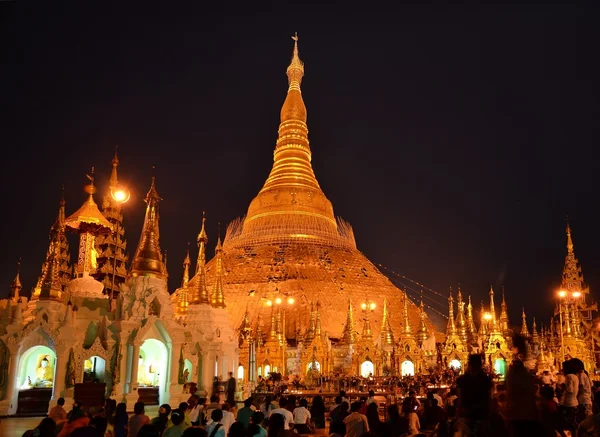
[290,243]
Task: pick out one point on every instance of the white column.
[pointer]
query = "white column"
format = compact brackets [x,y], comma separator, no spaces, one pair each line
[173,387]
[12,390]
[135,361]
[60,374]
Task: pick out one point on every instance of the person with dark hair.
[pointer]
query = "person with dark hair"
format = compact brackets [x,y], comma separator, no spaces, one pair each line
[138,420]
[120,421]
[302,418]
[584,394]
[58,412]
[215,426]
[340,413]
[267,407]
[474,396]
[337,402]
[244,413]
[371,397]
[282,410]
[213,405]
[434,414]
[550,417]
[194,432]
[228,416]
[46,428]
[77,419]
[569,402]
[590,426]
[396,424]
[375,424]
[356,423]
[96,428]
[409,411]
[236,430]
[255,428]
[317,412]
[231,387]
[277,424]
[521,407]
[162,420]
[337,430]
[179,425]
[149,430]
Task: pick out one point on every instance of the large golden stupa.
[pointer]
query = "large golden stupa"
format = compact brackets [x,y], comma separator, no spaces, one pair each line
[290,244]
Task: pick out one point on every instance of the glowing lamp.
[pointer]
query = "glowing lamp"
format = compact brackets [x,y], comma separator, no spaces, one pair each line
[290,301]
[487,316]
[576,294]
[372,306]
[562,294]
[363,306]
[120,194]
[278,301]
[269,303]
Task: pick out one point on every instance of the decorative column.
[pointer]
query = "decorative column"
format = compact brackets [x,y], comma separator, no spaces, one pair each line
[60,374]
[173,387]
[12,391]
[132,392]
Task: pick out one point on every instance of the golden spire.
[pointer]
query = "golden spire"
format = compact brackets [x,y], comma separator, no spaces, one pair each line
[570,246]
[318,331]
[148,259]
[186,268]
[387,336]
[349,336]
[246,328]
[422,334]
[406,321]
[15,286]
[483,326]
[89,222]
[567,328]
[524,328]
[460,319]
[312,325]
[367,334]
[218,298]
[534,332]
[503,315]
[291,204]
[114,179]
[165,272]
[51,287]
[183,303]
[471,329]
[493,310]
[273,330]
[202,242]
[279,326]
[572,277]
[451,328]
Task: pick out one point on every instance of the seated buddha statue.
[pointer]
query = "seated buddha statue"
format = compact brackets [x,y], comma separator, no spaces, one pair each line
[44,374]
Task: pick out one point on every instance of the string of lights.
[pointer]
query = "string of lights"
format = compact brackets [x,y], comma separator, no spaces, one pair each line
[410,280]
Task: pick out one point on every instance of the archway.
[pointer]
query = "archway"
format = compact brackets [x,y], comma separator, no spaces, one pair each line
[94,369]
[455,364]
[500,367]
[408,368]
[267,370]
[240,372]
[35,380]
[367,369]
[152,369]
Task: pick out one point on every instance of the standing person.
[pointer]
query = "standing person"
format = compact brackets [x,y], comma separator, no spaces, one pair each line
[569,402]
[409,409]
[138,420]
[474,390]
[371,397]
[356,423]
[521,397]
[317,412]
[231,386]
[584,394]
[590,427]
[228,417]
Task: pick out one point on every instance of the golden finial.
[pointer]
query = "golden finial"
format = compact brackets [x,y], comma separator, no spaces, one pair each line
[460,319]
[349,333]
[422,334]
[451,328]
[524,329]
[114,180]
[202,242]
[218,297]
[570,246]
[186,267]
[295,70]
[16,286]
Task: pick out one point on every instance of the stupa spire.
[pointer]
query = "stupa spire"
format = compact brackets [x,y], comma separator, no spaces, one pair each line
[460,318]
[273,330]
[15,286]
[406,320]
[312,325]
[451,328]
[186,268]
[483,324]
[422,334]
[349,336]
[51,287]
[572,277]
[318,330]
[534,332]
[524,328]
[387,336]
[218,297]
[148,259]
[202,242]
[504,325]
[493,310]
[367,333]
[471,329]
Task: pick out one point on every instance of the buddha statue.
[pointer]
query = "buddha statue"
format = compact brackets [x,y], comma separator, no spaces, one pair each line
[44,374]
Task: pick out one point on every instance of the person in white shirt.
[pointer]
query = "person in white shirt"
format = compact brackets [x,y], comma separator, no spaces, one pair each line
[371,397]
[569,400]
[215,426]
[584,394]
[228,417]
[287,415]
[302,418]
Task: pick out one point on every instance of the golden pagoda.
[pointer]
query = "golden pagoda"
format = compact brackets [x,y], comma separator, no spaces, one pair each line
[291,244]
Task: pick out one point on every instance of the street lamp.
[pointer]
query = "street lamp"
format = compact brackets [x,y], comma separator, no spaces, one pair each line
[120,195]
[279,301]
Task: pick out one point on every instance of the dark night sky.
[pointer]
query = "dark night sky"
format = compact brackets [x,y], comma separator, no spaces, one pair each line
[454,140]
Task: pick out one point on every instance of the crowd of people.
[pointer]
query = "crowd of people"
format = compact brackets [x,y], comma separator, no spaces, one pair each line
[524,405]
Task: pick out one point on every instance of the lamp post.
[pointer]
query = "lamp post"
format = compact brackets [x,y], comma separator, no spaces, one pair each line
[278,301]
[120,195]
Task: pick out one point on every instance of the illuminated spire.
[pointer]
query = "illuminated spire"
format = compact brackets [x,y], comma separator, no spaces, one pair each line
[218,298]
[114,179]
[273,330]
[504,325]
[183,301]
[567,329]
[451,328]
[483,324]
[318,331]
[202,242]
[494,326]
[534,333]
[570,246]
[387,336]
[422,334]
[460,319]
[186,268]
[367,333]
[572,277]
[471,329]
[245,328]
[349,336]
[148,259]
[15,286]
[312,325]
[51,287]
[279,326]
[524,328]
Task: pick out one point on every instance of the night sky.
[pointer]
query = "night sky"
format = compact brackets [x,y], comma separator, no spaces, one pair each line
[454,140]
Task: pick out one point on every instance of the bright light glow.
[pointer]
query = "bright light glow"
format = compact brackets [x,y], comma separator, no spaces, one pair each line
[455,364]
[408,368]
[576,294]
[278,301]
[372,306]
[367,369]
[240,372]
[487,316]
[363,306]
[120,194]
[269,303]
[290,301]
[562,293]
